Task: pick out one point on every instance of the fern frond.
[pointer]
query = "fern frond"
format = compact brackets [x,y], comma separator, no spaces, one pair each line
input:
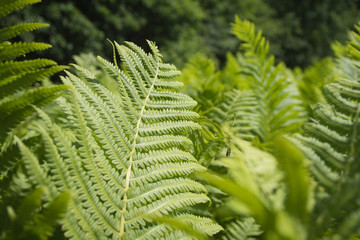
[269,188]
[242,229]
[8,6]
[10,68]
[197,227]
[331,142]
[238,110]
[14,109]
[17,49]
[13,84]
[202,82]
[278,109]
[24,215]
[17,77]
[37,173]
[254,43]
[13,31]
[129,160]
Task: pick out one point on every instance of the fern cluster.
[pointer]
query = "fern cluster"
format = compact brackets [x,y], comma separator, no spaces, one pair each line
[127,162]
[23,86]
[331,143]
[271,106]
[17,97]
[121,153]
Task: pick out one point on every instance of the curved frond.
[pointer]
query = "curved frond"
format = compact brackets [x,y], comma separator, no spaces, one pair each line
[274,94]
[17,92]
[239,110]
[8,6]
[242,229]
[330,141]
[12,50]
[13,31]
[129,160]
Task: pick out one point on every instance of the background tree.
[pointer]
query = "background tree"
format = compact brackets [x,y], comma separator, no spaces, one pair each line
[300,32]
[309,27]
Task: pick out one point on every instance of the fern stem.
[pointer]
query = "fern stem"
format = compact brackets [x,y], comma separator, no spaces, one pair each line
[128,173]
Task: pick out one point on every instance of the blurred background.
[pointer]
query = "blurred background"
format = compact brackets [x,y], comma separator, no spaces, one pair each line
[300,32]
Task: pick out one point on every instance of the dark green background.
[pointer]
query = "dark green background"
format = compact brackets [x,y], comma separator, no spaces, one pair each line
[299,31]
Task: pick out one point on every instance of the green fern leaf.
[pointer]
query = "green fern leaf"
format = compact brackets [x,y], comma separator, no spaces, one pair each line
[128,163]
[10,68]
[17,49]
[14,109]
[330,142]
[13,31]
[242,229]
[16,77]
[239,110]
[278,109]
[19,82]
[8,6]
[19,94]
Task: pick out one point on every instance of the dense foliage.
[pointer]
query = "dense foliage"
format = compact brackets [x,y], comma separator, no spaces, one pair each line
[184,27]
[133,149]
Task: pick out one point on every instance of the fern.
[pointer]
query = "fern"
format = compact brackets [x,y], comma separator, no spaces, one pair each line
[20,204]
[278,108]
[18,76]
[244,229]
[331,142]
[239,109]
[202,82]
[128,162]
[8,6]
[270,189]
[28,222]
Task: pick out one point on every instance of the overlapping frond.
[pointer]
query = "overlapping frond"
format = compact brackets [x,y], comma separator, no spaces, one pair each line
[239,111]
[13,31]
[129,161]
[331,142]
[279,109]
[268,188]
[21,89]
[8,6]
[242,229]
[18,76]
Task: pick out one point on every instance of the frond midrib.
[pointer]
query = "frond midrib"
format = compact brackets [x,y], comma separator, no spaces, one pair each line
[128,172]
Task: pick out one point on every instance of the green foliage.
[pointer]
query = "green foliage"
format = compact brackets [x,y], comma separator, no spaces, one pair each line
[183,28]
[264,187]
[8,6]
[27,221]
[244,229]
[240,109]
[115,156]
[305,208]
[311,81]
[272,106]
[330,142]
[25,213]
[310,27]
[17,76]
[202,82]
[126,164]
